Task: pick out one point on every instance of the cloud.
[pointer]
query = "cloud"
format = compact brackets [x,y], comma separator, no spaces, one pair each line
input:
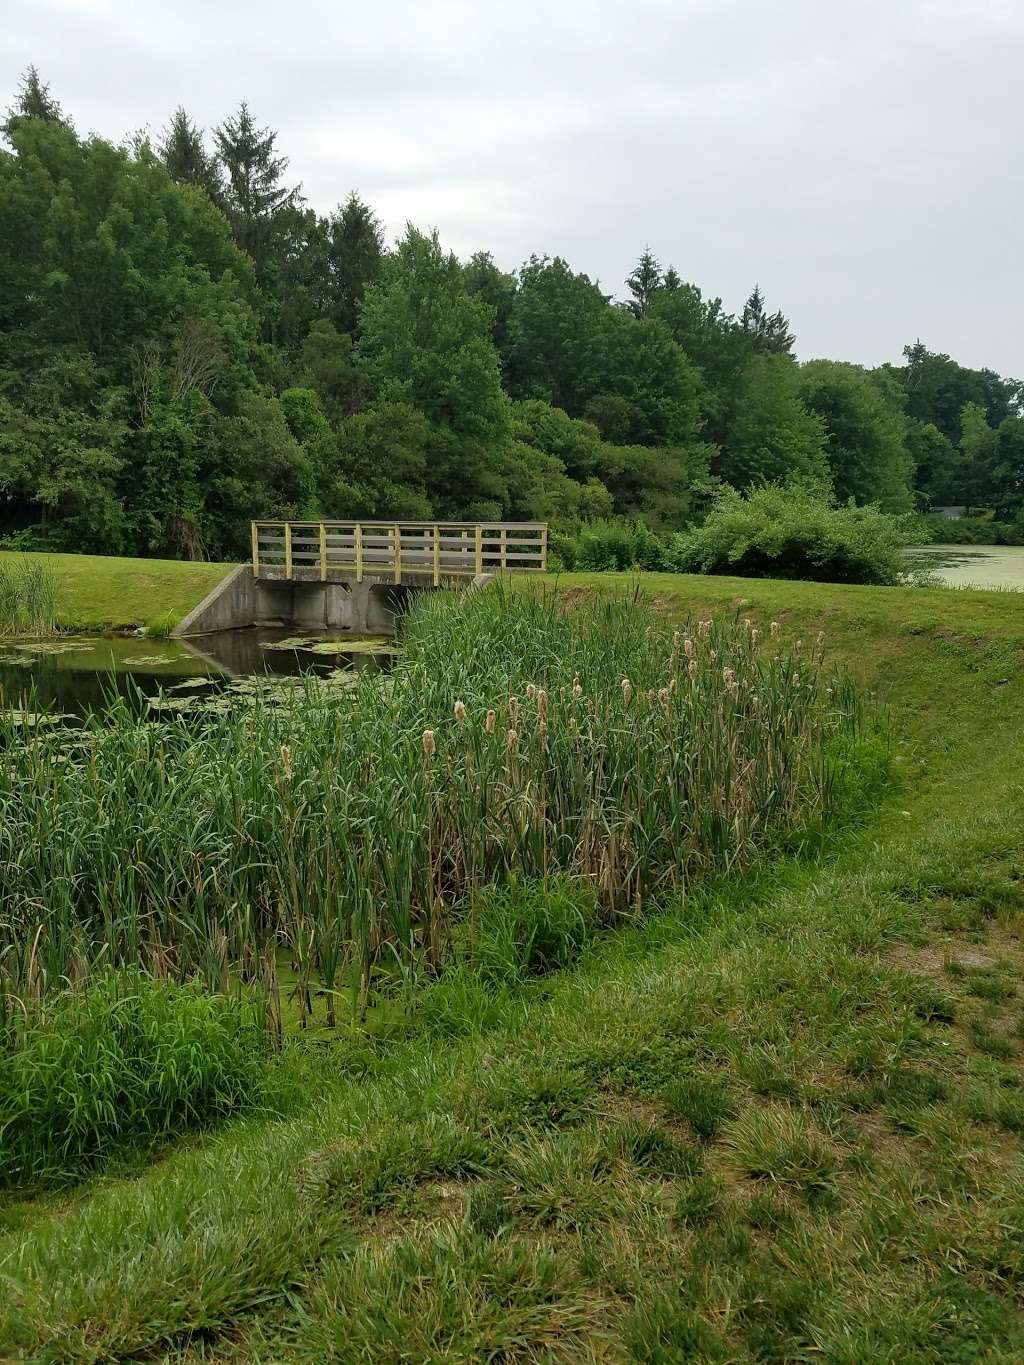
[855,158]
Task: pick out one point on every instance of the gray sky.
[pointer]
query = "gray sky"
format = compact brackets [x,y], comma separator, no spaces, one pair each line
[861,160]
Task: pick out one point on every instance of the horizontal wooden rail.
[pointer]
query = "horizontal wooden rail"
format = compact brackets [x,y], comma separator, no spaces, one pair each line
[309,551]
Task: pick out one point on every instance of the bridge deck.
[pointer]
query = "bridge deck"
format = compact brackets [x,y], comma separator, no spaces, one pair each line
[420,551]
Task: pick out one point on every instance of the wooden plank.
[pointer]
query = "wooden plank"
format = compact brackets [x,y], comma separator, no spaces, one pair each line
[254,530]
[397,533]
[323,553]
[359,553]
[544,548]
[287,549]
[479,549]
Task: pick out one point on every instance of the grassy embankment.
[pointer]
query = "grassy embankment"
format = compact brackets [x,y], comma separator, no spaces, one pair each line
[782,1120]
[96,592]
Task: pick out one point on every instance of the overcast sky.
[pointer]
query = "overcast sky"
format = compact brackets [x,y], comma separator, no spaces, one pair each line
[862,161]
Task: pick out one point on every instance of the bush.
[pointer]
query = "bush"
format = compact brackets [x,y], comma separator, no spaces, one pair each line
[605,546]
[795,531]
[120,1065]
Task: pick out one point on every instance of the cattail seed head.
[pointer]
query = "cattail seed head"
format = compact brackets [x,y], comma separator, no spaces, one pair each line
[755,635]
[692,669]
[663,699]
[775,629]
[489,722]
[688,647]
[821,638]
[531,691]
[286,759]
[673,685]
[513,707]
[577,688]
[728,677]
[460,711]
[713,655]
[511,739]
[572,722]
[627,691]
[542,703]
[796,679]
[429,747]
[704,628]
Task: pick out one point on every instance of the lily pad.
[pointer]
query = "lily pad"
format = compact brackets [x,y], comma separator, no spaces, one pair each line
[192,684]
[366,644]
[52,646]
[35,719]
[144,660]
[172,703]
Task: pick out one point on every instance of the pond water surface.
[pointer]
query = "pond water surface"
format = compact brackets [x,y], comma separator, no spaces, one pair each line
[972,566]
[77,674]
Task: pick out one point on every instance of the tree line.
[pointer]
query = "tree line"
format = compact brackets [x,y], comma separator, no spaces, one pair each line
[186,345]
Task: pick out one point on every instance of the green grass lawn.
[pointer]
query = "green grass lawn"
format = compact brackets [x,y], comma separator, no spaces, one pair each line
[780,1121]
[96,591]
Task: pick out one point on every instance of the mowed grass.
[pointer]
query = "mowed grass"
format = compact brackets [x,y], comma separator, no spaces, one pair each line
[780,1121]
[95,592]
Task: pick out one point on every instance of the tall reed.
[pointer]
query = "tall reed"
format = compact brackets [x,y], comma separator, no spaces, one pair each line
[28,597]
[514,737]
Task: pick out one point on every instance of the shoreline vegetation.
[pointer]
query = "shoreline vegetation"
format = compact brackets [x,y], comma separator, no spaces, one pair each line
[516,738]
[780,1117]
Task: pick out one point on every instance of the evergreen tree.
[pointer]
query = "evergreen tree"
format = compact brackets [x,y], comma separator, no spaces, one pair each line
[643,284]
[355,251]
[183,152]
[769,332]
[33,101]
[254,195]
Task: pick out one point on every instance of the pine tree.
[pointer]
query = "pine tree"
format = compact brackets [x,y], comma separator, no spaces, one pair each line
[643,284]
[355,251]
[184,153]
[33,101]
[769,333]
[254,194]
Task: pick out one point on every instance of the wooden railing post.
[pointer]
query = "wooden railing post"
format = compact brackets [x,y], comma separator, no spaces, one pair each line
[479,549]
[437,555]
[397,537]
[255,550]
[504,547]
[544,548]
[357,536]
[323,553]
[287,549]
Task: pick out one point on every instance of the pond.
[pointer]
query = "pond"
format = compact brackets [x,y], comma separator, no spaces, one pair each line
[972,566]
[76,674]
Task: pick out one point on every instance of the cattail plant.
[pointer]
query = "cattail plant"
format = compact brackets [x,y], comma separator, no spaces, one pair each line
[342,834]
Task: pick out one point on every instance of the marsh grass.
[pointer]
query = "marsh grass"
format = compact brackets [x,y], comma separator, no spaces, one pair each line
[514,739]
[120,1065]
[28,597]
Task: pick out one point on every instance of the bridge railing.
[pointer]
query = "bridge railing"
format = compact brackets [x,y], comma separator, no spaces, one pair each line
[424,550]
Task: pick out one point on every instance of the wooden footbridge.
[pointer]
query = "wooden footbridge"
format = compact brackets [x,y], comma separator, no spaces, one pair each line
[416,553]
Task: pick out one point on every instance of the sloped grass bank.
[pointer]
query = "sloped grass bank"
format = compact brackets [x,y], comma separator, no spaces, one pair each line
[781,1121]
[96,592]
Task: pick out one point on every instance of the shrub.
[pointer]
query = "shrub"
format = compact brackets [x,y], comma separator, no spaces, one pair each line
[795,531]
[120,1065]
[605,546]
